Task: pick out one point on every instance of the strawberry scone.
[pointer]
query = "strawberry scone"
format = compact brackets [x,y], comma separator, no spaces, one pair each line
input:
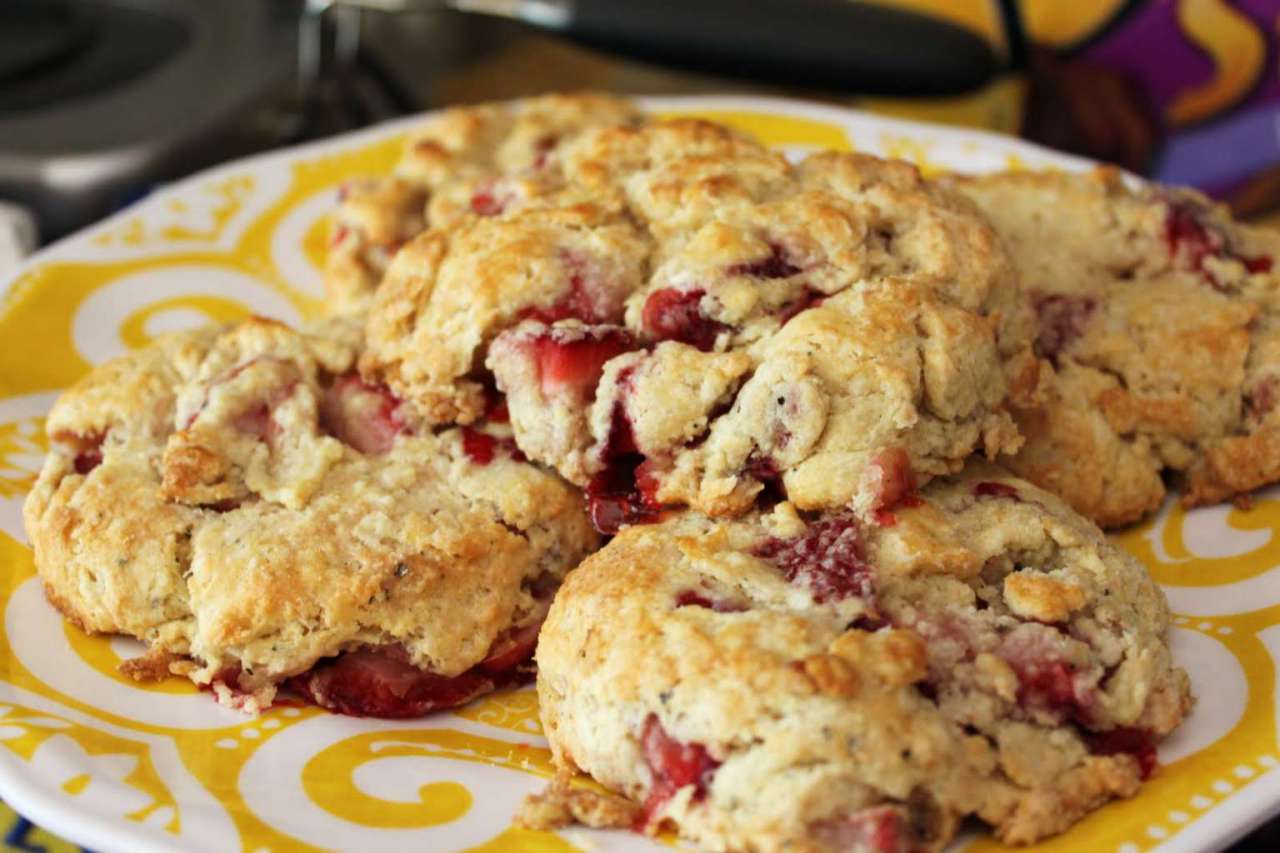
[718,324]
[241,501]
[1161,318]
[812,682]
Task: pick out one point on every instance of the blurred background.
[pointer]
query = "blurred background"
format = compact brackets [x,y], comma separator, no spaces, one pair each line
[101,101]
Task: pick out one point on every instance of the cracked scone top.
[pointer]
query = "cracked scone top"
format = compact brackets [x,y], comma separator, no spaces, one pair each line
[1162,318]
[698,320]
[813,683]
[238,499]
[465,161]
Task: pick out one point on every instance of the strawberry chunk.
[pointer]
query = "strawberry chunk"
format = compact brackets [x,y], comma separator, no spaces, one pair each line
[624,492]
[1127,741]
[569,363]
[897,486]
[809,298]
[694,598]
[381,682]
[676,315]
[365,416]
[1188,239]
[1062,319]
[1046,682]
[773,265]
[89,455]
[485,203]
[830,558]
[990,489]
[673,765]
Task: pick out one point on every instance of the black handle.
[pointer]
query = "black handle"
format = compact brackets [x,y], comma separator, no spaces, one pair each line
[834,44]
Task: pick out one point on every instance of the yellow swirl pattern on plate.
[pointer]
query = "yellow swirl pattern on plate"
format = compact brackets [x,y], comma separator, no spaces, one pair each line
[101,757]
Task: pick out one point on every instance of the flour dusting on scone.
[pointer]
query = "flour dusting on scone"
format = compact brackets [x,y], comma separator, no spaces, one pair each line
[1160,316]
[793,681]
[719,324]
[257,513]
[465,162]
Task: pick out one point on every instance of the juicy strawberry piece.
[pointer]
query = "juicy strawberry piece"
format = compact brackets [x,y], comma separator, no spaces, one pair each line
[1062,319]
[879,829]
[482,448]
[988,489]
[775,265]
[808,299]
[897,479]
[1262,263]
[673,765]
[624,492]
[90,452]
[485,203]
[574,364]
[1126,741]
[87,460]
[479,447]
[512,650]
[1046,682]
[693,598]
[1188,239]
[830,558]
[380,682]
[365,416]
[676,315]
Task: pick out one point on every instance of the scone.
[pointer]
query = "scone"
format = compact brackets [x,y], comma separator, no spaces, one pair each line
[1161,317]
[714,322]
[242,502]
[799,682]
[467,161]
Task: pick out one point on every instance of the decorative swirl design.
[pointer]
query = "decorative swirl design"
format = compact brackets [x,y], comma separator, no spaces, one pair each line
[163,764]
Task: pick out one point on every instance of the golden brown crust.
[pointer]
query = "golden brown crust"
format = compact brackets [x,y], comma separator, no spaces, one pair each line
[810,725]
[461,163]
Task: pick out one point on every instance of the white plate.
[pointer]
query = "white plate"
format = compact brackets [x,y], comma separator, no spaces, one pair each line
[115,765]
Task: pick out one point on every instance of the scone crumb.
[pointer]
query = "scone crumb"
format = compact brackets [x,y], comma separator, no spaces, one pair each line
[896,656]
[1036,595]
[562,804]
[831,675]
[154,665]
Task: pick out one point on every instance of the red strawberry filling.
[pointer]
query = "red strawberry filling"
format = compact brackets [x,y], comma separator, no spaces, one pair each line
[1191,241]
[830,558]
[89,455]
[1046,682]
[676,315]
[806,300]
[879,829]
[989,489]
[1126,741]
[624,492]
[694,598]
[897,486]
[381,682]
[569,363]
[1062,319]
[673,765]
[365,416]
[774,265]
[481,448]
